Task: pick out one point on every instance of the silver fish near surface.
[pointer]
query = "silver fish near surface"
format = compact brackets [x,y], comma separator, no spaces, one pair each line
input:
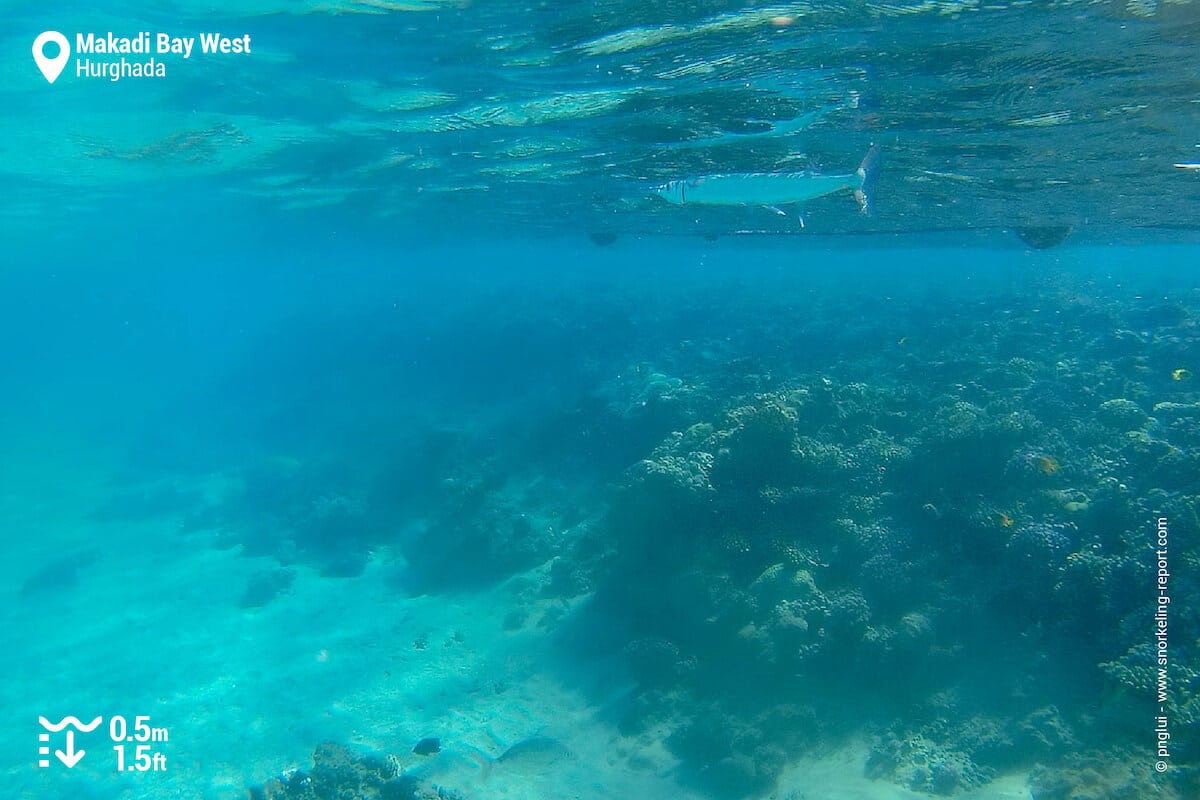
[772,188]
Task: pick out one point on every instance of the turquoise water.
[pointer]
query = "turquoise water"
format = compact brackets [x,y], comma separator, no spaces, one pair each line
[372,428]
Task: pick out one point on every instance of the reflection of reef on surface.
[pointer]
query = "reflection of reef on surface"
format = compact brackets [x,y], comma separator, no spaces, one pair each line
[1043,237]
[190,146]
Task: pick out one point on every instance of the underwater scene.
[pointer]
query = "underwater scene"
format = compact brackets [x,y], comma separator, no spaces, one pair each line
[600,400]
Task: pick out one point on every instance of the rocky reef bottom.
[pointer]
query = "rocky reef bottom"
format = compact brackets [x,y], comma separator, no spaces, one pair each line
[339,773]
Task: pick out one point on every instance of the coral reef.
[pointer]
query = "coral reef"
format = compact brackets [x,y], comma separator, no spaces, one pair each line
[907,542]
[338,773]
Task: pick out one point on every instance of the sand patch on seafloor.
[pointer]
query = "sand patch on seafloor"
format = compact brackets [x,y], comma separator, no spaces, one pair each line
[156,629]
[838,775]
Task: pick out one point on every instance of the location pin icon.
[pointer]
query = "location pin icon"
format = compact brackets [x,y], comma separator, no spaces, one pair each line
[51,67]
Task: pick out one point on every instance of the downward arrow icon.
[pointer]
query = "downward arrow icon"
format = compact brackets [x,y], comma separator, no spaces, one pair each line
[72,756]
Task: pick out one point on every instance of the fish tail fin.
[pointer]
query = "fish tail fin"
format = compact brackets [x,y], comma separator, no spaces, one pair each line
[868,174]
[484,761]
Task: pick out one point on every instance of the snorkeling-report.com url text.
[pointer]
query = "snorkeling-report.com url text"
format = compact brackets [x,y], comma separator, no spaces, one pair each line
[1162,730]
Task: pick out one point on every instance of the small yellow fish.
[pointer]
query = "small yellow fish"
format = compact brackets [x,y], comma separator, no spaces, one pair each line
[1048,465]
[1005,520]
[1181,374]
